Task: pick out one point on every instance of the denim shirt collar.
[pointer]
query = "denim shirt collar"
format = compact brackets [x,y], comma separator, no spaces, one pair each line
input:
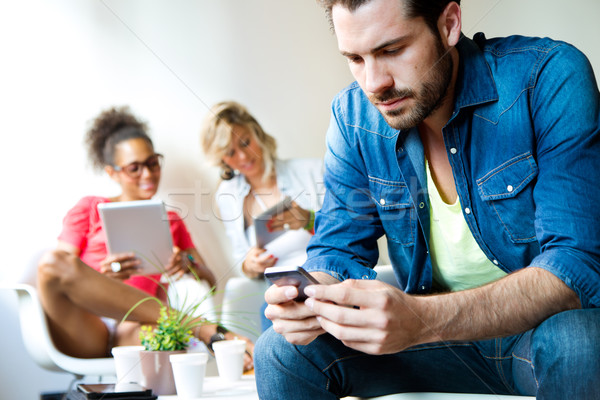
[474,83]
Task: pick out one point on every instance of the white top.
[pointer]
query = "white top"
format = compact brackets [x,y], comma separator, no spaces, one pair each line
[302,180]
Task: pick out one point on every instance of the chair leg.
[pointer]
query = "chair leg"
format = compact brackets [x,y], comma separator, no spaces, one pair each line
[71,387]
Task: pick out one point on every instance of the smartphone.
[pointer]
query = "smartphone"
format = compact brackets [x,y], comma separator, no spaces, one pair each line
[291,276]
[108,391]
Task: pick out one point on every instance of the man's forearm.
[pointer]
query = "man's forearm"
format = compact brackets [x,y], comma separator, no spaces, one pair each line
[511,305]
[324,278]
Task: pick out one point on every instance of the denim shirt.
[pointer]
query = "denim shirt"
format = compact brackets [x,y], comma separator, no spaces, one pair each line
[523,144]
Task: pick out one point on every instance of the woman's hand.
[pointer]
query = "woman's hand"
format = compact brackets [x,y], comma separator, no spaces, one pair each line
[182,262]
[257,261]
[178,264]
[294,218]
[202,271]
[120,265]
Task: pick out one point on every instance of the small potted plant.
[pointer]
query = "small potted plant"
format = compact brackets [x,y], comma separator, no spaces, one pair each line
[172,334]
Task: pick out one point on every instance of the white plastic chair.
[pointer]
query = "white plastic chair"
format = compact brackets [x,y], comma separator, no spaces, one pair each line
[36,335]
[242,301]
[243,298]
[39,345]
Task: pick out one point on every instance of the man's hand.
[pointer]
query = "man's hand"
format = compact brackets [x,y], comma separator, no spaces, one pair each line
[388,320]
[290,318]
[367,315]
[293,319]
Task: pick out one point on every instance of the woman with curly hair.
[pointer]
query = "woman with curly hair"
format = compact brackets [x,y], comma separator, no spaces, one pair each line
[75,296]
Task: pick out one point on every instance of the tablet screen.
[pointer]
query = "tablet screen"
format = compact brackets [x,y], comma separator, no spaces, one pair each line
[141,227]
[263,236]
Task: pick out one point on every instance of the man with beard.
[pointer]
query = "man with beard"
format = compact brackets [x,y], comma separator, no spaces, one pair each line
[479,161]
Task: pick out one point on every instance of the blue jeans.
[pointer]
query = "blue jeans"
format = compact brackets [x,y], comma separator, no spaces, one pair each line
[265,323]
[560,359]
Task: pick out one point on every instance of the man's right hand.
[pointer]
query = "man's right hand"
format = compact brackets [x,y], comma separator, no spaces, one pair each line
[292,319]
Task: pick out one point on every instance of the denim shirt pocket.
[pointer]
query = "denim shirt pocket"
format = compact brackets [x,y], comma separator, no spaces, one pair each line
[394,206]
[508,191]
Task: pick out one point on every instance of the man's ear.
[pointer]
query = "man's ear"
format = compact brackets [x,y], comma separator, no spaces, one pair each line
[450,24]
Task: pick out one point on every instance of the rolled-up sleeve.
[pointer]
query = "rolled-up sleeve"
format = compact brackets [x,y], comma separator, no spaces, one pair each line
[566,114]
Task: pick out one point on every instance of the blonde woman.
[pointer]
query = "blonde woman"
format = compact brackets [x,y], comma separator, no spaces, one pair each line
[254,179]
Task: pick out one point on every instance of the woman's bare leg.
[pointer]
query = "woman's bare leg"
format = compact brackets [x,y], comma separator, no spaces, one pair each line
[74,295]
[127,334]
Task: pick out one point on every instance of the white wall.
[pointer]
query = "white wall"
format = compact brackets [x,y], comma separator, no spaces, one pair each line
[65,60]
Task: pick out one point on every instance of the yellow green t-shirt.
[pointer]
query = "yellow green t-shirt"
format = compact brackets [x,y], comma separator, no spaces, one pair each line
[458,262]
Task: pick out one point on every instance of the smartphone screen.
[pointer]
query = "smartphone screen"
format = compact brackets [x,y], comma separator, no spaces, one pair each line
[108,391]
[291,276]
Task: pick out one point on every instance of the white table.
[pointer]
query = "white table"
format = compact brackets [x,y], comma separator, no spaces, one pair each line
[216,389]
[245,389]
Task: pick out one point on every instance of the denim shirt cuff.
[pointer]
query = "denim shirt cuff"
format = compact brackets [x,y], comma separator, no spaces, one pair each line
[559,262]
[340,268]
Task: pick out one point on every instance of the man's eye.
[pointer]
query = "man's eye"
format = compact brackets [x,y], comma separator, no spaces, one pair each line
[393,51]
[245,143]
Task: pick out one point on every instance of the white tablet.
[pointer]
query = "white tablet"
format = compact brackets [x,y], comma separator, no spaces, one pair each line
[141,227]
[263,236]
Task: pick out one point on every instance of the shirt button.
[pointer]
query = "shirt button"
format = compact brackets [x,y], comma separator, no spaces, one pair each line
[423,287]
[421,205]
[365,277]
[510,188]
[495,262]
[453,150]
[382,202]
[467,210]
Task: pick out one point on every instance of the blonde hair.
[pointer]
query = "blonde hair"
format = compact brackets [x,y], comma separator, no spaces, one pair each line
[216,136]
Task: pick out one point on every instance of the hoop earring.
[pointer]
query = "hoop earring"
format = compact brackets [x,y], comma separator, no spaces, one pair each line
[226,172]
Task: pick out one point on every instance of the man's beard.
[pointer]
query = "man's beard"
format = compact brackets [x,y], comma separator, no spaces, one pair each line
[428,98]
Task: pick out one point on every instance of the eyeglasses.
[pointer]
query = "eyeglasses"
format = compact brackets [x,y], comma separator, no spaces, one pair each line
[135,169]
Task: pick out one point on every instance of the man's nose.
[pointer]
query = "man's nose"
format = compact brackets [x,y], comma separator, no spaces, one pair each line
[377,77]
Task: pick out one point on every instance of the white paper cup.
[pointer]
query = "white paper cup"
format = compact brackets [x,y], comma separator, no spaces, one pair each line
[188,371]
[230,358]
[127,364]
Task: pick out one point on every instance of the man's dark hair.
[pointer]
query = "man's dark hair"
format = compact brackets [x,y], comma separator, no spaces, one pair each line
[429,10]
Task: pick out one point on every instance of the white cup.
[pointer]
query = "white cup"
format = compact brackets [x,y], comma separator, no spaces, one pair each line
[230,358]
[188,371]
[127,365]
